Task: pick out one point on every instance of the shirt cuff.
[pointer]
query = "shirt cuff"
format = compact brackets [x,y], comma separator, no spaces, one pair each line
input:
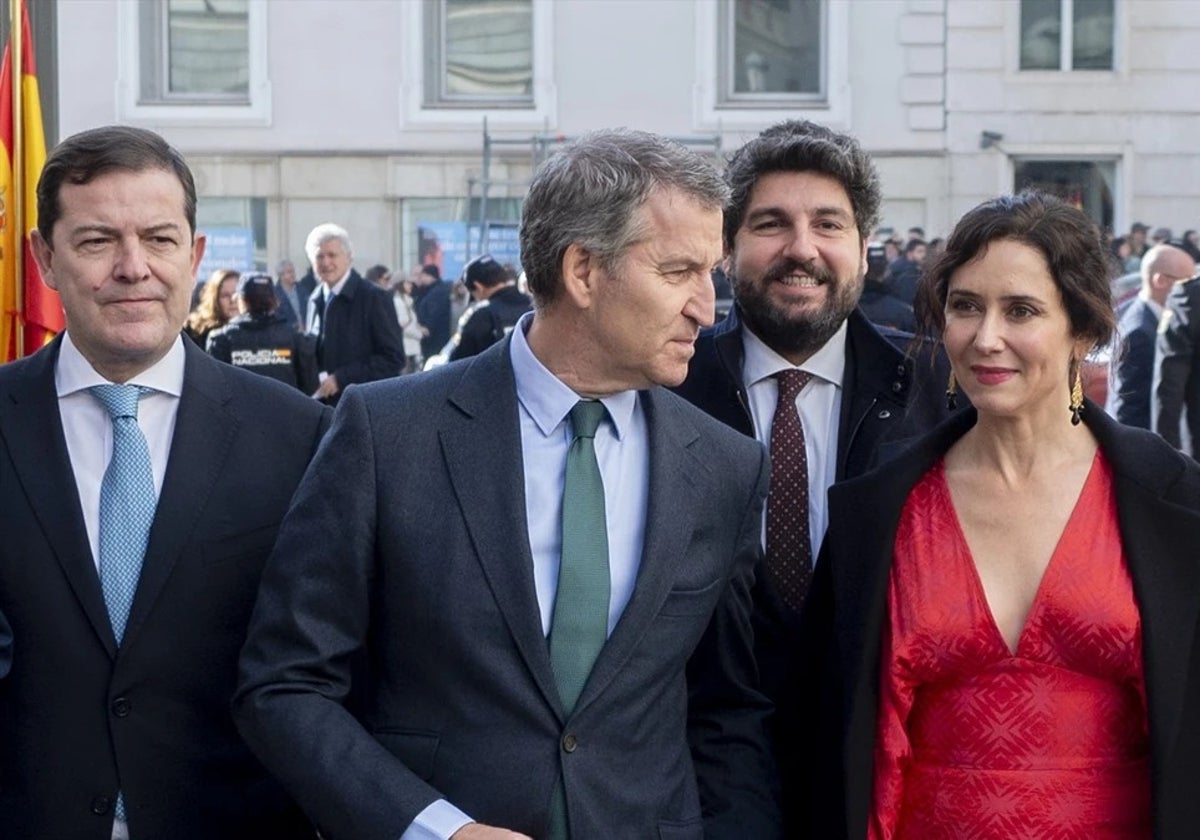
[438,821]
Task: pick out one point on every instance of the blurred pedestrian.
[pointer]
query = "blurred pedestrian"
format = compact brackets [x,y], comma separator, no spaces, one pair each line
[353,321]
[215,308]
[260,339]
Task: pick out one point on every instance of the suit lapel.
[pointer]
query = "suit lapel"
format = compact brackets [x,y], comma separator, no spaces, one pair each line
[877,380]
[204,433]
[482,417]
[32,430]
[672,503]
[1159,540]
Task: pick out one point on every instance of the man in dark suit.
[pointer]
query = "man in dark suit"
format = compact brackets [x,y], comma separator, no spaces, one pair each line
[1175,398]
[546,558]
[1132,363]
[803,200]
[134,535]
[293,298]
[358,336]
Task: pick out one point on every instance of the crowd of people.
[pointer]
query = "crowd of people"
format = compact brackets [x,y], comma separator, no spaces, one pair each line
[290,336]
[616,568]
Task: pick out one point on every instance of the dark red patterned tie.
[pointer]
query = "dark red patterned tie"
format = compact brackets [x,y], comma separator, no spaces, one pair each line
[789,547]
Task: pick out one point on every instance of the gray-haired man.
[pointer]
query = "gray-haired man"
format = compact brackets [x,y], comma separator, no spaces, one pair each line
[547,557]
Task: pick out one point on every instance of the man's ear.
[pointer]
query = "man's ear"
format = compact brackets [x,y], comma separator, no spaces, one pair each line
[199,241]
[43,255]
[580,273]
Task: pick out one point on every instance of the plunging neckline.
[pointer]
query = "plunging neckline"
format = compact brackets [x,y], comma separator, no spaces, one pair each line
[980,593]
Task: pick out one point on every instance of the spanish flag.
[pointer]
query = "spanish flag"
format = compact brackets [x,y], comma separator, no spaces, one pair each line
[28,306]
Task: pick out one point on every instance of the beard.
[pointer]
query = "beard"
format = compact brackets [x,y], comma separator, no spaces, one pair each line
[788,332]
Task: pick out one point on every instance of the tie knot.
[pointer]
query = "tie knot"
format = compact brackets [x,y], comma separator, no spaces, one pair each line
[586,417]
[791,382]
[120,400]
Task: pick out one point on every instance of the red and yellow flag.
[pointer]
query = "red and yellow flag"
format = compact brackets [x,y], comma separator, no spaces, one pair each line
[27,305]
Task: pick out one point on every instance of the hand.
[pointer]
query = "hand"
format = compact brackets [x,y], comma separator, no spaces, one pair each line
[477,831]
[327,388]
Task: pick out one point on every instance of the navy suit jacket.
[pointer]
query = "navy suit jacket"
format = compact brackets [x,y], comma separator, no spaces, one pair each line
[361,340]
[408,540]
[1158,512]
[80,718]
[1133,365]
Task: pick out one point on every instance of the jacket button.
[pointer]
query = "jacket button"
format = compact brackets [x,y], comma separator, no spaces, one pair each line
[569,743]
[121,707]
[897,387]
[885,414]
[101,805]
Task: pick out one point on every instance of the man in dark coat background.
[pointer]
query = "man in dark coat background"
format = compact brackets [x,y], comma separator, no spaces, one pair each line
[1132,364]
[354,322]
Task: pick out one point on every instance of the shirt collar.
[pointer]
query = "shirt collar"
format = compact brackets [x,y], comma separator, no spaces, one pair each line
[547,398]
[761,362]
[337,287]
[75,373]
[1154,305]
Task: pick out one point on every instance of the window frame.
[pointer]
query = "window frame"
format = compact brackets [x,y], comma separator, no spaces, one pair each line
[209,110]
[436,94]
[1066,43]
[712,110]
[538,113]
[726,73]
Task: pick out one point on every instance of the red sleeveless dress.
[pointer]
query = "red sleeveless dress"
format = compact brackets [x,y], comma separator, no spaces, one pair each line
[974,741]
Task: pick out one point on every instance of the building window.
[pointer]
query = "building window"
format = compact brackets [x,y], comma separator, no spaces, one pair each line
[193,62]
[237,234]
[449,232]
[194,51]
[1087,184]
[479,53]
[772,51]
[1067,34]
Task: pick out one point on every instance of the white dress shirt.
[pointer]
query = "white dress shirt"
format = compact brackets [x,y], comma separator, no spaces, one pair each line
[819,405]
[87,427]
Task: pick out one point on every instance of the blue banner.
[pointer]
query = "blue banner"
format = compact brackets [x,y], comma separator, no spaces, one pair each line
[227,247]
[451,245]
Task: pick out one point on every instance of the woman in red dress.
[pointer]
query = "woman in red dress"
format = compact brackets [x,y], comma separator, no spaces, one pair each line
[994,642]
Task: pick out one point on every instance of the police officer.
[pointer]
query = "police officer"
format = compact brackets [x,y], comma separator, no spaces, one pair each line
[261,340]
[497,308]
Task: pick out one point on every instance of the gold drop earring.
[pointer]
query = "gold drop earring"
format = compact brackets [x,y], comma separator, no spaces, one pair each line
[1076,405]
[951,390]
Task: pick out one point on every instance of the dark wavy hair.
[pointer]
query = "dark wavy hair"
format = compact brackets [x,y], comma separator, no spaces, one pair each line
[1064,236]
[803,146]
[85,156]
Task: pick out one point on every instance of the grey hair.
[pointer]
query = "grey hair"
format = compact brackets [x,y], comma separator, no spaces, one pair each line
[282,264]
[322,234]
[590,193]
[803,146]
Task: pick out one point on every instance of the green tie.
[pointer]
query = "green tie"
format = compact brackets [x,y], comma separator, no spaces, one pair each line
[580,624]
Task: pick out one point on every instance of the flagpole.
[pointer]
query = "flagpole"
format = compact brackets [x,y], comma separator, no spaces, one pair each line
[16,34]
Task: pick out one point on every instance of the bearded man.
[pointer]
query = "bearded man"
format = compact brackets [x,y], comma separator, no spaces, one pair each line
[803,201]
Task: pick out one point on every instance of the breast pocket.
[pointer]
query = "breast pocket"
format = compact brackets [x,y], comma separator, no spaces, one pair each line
[247,545]
[692,602]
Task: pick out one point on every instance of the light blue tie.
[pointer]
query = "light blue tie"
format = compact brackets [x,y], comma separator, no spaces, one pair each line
[127,503]
[580,624]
